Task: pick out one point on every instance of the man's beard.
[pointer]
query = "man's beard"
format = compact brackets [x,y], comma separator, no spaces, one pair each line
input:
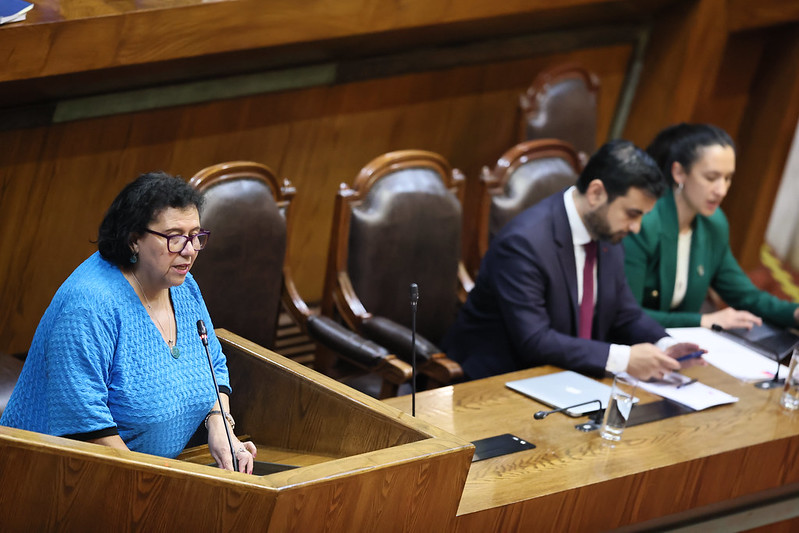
[597,224]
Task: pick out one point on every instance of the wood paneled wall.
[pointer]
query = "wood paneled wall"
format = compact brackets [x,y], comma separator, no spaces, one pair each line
[723,61]
[733,63]
[58,180]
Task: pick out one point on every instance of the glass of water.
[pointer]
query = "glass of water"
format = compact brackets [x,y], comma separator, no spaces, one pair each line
[622,397]
[790,394]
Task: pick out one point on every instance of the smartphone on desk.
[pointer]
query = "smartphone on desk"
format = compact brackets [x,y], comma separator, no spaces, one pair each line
[499,445]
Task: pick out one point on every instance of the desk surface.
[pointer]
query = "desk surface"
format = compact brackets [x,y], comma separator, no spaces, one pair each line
[663,468]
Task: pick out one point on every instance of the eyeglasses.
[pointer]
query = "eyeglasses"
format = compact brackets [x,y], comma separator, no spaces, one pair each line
[177,243]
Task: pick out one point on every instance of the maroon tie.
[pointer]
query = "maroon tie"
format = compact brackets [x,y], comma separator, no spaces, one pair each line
[587,303]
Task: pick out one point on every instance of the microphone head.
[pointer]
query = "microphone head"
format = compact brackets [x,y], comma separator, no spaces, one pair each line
[414,292]
[201,328]
[540,415]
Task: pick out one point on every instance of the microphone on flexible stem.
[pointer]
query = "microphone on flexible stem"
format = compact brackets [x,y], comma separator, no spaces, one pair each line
[595,420]
[414,302]
[204,337]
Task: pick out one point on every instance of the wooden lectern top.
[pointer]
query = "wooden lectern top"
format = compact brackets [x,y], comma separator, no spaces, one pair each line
[364,466]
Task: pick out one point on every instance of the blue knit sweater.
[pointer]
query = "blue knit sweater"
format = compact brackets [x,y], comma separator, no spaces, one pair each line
[98,361]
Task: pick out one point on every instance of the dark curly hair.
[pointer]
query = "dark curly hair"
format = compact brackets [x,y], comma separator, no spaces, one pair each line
[135,207]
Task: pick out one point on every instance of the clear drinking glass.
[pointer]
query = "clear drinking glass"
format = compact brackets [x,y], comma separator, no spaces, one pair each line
[790,394]
[622,396]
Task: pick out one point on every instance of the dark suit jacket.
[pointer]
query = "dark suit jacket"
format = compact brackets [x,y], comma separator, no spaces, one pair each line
[523,312]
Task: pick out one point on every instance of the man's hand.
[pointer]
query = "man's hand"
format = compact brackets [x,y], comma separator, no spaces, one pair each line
[684,348]
[647,362]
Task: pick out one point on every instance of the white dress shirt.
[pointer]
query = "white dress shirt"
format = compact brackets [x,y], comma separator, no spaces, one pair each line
[619,354]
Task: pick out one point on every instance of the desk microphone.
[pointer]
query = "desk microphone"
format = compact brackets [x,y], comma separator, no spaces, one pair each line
[596,416]
[414,302]
[774,382]
[204,337]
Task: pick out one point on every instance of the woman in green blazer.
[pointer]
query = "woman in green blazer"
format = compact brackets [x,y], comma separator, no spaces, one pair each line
[683,246]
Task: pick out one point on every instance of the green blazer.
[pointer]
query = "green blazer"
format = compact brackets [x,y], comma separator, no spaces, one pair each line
[651,267]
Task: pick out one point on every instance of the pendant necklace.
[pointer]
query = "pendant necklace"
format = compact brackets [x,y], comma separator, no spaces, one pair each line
[173,349]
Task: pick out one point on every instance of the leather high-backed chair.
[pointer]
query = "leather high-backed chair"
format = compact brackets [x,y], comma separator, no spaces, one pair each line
[524,175]
[399,223]
[561,103]
[244,272]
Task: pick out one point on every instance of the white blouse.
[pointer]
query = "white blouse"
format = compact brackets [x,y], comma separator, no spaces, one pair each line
[683,260]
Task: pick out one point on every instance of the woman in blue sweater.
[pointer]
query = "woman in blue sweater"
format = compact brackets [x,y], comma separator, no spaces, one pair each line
[683,246]
[116,359]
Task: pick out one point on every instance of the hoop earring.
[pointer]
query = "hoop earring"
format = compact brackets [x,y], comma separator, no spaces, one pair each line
[134,258]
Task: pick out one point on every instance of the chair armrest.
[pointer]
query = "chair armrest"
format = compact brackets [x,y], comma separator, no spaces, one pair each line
[362,352]
[349,344]
[397,338]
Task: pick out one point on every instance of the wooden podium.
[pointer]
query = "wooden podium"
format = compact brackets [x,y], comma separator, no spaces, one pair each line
[363,466]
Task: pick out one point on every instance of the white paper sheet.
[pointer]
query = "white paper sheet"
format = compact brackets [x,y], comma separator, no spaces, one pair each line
[684,390]
[727,355]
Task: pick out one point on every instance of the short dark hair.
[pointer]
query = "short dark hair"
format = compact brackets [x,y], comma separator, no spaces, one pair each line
[136,206]
[619,165]
[682,143]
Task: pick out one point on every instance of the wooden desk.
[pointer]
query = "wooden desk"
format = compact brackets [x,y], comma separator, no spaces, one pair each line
[661,473]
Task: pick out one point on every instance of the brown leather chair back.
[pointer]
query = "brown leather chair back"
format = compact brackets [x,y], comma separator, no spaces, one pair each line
[10,369]
[403,226]
[240,272]
[561,104]
[524,175]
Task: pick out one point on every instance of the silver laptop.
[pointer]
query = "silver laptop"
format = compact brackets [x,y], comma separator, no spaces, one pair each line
[563,389]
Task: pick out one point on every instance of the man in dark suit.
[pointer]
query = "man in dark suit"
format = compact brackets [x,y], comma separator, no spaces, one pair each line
[527,307]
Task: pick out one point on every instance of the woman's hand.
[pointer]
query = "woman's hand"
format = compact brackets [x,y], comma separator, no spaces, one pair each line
[729,318]
[220,450]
